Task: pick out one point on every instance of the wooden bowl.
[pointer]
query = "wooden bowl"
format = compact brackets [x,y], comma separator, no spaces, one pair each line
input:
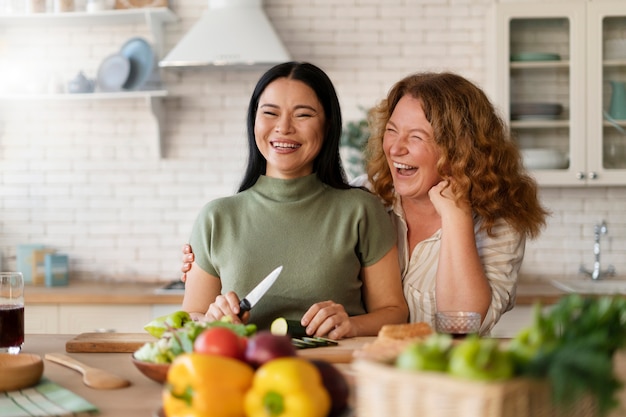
[155,371]
[19,371]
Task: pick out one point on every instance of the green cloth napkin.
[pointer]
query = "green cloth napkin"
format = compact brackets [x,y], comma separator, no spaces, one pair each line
[44,399]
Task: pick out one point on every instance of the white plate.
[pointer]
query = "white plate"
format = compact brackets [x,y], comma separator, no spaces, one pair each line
[542,158]
[113,72]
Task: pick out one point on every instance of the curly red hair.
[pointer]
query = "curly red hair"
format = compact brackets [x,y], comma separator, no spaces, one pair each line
[475,151]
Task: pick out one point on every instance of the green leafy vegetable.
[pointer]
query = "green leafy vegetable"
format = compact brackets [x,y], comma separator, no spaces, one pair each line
[572,346]
[177,332]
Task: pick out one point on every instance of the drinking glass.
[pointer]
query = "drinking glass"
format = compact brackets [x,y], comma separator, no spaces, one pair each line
[457,323]
[11,312]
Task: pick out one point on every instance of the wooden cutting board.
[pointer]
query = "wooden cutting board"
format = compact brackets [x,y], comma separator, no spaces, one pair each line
[130,342]
[342,353]
[107,342]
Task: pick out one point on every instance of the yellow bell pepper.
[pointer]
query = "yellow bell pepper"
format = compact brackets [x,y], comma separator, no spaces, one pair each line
[200,385]
[287,387]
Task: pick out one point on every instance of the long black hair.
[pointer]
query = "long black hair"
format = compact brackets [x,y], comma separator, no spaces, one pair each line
[327,165]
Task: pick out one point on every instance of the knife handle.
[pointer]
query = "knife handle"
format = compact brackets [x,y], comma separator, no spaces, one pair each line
[244,305]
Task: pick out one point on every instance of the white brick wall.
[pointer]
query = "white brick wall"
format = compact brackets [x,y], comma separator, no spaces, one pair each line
[80,177]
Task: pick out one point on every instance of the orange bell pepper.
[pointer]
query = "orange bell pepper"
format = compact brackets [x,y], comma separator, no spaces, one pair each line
[201,385]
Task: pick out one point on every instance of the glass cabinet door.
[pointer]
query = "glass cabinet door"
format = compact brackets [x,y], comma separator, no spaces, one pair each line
[606,70]
[542,86]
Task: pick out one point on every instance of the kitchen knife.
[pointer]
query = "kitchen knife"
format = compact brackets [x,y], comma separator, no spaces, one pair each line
[255,295]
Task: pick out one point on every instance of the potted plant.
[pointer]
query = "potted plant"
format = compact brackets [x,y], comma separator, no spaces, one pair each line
[354,138]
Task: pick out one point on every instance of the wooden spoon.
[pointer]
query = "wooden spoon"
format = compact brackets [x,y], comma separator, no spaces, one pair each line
[92,377]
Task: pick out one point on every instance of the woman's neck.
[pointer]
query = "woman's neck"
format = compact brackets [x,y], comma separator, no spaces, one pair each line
[421,218]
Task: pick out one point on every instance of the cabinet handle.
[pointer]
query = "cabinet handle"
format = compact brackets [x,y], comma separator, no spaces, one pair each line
[580,175]
[593,175]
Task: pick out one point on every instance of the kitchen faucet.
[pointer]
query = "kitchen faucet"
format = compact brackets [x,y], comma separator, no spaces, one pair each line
[597,272]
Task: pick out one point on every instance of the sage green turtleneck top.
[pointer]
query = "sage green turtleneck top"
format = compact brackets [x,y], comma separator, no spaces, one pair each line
[321,235]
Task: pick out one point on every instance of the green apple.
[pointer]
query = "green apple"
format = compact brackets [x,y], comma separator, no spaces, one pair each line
[429,355]
[480,359]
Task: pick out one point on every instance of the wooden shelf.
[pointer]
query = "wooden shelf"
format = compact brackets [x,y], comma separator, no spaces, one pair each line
[125,16]
[153,17]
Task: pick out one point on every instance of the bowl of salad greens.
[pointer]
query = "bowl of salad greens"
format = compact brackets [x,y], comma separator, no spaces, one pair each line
[176,333]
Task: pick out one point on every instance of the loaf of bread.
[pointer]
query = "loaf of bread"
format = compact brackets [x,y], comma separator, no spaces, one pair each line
[393,339]
[405,331]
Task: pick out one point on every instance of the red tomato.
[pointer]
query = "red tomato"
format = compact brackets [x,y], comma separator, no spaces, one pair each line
[220,341]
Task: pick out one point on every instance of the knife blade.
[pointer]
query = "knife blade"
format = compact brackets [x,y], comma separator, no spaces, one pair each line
[255,295]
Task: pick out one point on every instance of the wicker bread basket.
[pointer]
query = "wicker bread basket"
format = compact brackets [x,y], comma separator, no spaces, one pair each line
[385,391]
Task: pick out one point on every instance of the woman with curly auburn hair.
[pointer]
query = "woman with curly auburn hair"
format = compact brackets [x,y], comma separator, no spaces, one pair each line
[440,157]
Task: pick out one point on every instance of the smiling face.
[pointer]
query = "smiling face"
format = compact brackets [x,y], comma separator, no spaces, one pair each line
[289,128]
[410,149]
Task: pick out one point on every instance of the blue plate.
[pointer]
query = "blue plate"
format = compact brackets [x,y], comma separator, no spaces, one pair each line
[142,62]
[113,72]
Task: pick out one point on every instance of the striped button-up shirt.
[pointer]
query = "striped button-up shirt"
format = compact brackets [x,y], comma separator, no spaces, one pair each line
[500,255]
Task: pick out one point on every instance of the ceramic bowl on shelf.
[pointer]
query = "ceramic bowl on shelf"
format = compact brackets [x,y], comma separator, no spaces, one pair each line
[544,158]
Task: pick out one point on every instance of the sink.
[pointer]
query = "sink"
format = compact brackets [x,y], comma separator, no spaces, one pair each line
[611,285]
[174,287]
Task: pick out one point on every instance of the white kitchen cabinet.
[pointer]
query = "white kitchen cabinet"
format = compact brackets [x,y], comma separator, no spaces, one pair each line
[553,53]
[159,310]
[82,318]
[154,18]
[512,322]
[121,318]
[41,319]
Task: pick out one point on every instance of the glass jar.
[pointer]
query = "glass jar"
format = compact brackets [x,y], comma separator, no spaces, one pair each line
[37,6]
[61,6]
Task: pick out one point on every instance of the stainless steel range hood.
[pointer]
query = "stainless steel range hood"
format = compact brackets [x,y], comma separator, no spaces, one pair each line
[230,32]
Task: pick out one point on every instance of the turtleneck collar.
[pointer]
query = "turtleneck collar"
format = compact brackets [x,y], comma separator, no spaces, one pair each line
[294,189]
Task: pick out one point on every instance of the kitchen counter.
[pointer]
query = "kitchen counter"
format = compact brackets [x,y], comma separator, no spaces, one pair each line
[97,292]
[113,292]
[143,397]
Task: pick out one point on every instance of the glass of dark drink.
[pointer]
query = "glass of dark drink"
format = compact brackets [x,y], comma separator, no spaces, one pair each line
[458,324]
[11,312]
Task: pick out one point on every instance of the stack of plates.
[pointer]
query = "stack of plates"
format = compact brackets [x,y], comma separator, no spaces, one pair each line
[542,158]
[535,56]
[523,111]
[130,69]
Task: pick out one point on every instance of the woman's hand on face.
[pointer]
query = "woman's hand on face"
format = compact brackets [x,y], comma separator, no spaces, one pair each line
[444,200]
[188,258]
[226,305]
[328,319]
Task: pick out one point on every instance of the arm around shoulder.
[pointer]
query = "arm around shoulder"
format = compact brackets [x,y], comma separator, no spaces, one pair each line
[201,289]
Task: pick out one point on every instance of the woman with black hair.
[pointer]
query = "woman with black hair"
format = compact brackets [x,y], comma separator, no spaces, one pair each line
[294,208]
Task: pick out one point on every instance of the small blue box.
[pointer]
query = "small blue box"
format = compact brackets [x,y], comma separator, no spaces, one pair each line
[57,270]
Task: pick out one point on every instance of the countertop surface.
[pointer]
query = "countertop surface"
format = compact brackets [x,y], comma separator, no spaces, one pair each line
[101,292]
[143,397]
[115,292]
